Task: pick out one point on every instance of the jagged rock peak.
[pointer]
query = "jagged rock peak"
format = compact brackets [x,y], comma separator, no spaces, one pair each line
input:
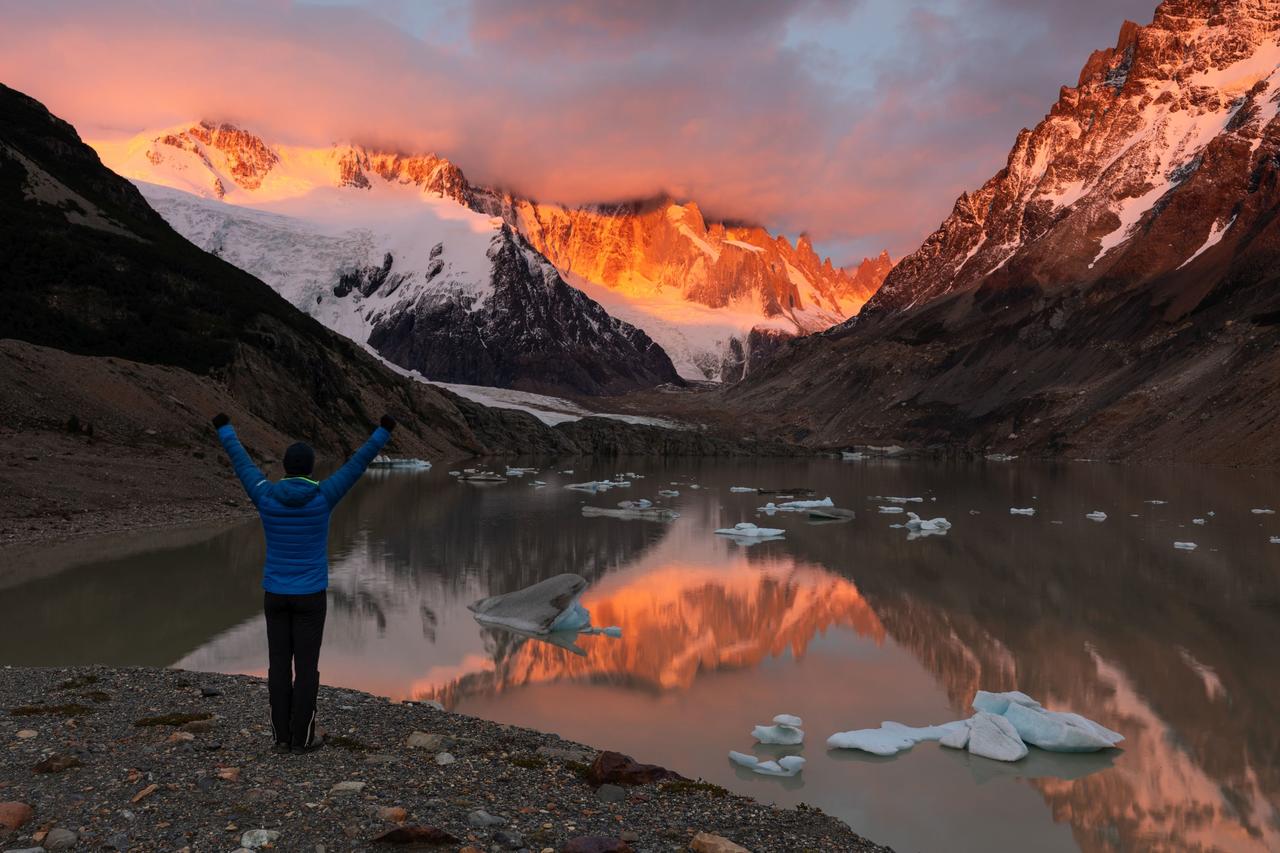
[1080,189]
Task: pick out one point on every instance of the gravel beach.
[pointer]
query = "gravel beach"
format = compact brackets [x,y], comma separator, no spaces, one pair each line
[99,758]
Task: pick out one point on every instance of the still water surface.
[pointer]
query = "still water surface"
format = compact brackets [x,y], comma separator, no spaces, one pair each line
[845,624]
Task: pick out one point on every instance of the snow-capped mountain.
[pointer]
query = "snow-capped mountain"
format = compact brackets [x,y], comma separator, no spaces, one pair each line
[383,249]
[717,297]
[1111,292]
[1138,170]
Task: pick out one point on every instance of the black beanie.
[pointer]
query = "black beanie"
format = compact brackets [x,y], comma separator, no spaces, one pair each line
[299,459]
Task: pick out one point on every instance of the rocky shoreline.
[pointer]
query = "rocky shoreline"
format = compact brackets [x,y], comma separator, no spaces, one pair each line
[100,758]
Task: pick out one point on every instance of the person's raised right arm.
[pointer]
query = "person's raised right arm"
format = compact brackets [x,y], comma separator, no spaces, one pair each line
[251,477]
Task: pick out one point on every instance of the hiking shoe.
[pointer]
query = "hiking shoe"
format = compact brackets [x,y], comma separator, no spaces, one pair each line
[316,743]
[280,748]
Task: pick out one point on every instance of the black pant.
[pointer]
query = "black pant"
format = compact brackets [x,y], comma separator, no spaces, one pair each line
[295,626]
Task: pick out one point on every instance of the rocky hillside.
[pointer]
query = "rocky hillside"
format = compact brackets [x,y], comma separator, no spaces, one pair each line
[1110,292]
[383,249]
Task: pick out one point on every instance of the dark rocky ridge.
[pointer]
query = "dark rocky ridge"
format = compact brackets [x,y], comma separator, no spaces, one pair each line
[1011,328]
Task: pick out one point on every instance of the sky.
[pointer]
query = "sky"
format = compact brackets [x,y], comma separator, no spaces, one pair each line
[857,122]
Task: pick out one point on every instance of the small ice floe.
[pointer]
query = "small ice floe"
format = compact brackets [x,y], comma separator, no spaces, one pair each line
[742,489]
[796,506]
[518,472]
[694,486]
[1029,510]
[547,606]
[1185,546]
[927,525]
[787,765]
[893,499]
[381,461]
[649,513]
[639,503]
[455,473]
[1156,502]
[768,509]
[482,477]
[889,510]
[567,471]
[746,529]
[1096,515]
[891,738]
[668,493]
[1199,521]
[851,455]
[1001,457]
[785,731]
[1275,540]
[1262,511]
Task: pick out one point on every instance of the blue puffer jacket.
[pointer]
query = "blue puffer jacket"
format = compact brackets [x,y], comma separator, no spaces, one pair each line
[295,514]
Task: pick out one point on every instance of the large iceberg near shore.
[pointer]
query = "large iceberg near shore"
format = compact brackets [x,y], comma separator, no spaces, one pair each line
[547,606]
[1001,728]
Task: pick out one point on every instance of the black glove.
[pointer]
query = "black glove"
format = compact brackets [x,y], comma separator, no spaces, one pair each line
[220,420]
[388,423]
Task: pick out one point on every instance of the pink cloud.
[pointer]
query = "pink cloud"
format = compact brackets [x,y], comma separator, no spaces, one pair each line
[752,107]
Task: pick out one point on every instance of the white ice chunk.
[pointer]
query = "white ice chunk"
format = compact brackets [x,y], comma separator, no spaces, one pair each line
[1096,515]
[1275,540]
[746,528]
[788,765]
[1060,731]
[785,735]
[788,720]
[1013,510]
[896,500]
[1185,546]
[915,522]
[891,738]
[998,703]
[1199,521]
[642,503]
[1262,511]
[668,493]
[992,736]
[957,738]
[1156,502]
[742,489]
[888,510]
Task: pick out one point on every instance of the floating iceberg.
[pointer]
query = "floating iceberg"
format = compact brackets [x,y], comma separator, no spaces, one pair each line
[787,765]
[482,477]
[1156,503]
[993,736]
[567,471]
[851,456]
[785,731]
[1185,546]
[1013,510]
[889,510]
[1060,731]
[668,493]
[896,500]
[795,506]
[381,461]
[742,489]
[747,529]
[1199,521]
[538,483]
[1001,457]
[891,738]
[642,503]
[1096,515]
[1262,511]
[929,525]
[455,473]
[547,606]
[1275,540]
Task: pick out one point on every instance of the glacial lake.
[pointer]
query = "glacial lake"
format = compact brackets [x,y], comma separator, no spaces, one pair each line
[845,624]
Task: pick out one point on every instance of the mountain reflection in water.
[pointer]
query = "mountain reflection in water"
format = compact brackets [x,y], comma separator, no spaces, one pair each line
[845,625]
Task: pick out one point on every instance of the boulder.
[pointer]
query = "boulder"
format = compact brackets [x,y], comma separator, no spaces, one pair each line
[705,842]
[622,769]
[14,814]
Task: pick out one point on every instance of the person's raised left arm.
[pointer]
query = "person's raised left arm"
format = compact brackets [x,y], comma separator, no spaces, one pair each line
[251,476]
[340,482]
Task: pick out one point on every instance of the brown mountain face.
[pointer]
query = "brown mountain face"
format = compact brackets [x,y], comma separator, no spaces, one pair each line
[1110,292]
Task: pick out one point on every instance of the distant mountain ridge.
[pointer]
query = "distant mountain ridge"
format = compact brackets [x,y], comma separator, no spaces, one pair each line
[698,291]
